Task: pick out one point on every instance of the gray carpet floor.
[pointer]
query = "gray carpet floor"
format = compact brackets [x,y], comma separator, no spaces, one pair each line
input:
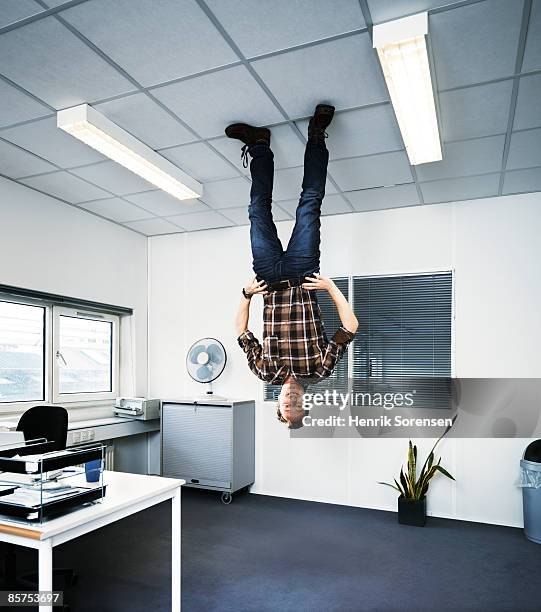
[271,554]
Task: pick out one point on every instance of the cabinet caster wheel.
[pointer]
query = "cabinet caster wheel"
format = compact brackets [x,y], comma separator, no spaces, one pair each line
[227,498]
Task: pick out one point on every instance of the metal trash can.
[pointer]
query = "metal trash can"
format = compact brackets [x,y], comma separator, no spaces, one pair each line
[530,481]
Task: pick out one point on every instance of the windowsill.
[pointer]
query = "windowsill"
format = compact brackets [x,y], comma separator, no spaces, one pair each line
[78,411]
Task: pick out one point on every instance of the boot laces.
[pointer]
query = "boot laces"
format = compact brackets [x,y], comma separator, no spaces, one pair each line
[244,156]
[315,130]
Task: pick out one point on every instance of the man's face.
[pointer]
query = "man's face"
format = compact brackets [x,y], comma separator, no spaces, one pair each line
[290,401]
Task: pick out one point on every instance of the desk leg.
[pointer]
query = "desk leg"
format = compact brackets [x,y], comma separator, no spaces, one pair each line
[175,552]
[45,565]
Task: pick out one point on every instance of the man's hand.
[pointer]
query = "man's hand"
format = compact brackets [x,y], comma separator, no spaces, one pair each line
[254,286]
[345,312]
[319,282]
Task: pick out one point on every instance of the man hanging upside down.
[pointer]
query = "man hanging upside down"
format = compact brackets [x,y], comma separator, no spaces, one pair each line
[295,351]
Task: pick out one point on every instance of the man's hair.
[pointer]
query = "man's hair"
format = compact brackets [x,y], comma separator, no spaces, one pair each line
[296,425]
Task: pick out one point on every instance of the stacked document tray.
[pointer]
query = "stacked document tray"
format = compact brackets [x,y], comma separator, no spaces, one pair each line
[37,484]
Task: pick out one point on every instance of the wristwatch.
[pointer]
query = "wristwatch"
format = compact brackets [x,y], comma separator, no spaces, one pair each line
[247,295]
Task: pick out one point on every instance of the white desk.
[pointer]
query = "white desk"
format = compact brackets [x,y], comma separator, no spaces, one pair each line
[126,494]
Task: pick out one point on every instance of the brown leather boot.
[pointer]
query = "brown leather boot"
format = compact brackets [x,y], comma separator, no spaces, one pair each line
[248,134]
[320,121]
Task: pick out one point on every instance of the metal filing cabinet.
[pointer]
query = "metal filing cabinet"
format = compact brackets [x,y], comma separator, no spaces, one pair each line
[209,443]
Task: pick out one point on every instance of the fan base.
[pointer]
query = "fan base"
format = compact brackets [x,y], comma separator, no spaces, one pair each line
[210,396]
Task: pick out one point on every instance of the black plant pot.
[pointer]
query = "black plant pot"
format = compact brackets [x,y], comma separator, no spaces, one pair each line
[412,512]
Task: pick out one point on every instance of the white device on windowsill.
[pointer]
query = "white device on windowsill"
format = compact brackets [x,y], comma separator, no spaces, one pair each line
[137,408]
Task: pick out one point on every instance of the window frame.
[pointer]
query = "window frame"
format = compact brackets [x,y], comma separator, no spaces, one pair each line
[421,411]
[25,404]
[71,398]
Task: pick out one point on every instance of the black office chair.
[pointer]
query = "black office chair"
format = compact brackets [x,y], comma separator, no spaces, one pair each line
[51,423]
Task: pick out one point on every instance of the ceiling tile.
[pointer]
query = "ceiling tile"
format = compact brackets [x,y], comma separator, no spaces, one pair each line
[17,106]
[202,221]
[288,184]
[209,103]
[146,120]
[475,111]
[290,206]
[287,147]
[522,181]
[475,43]
[153,227]
[179,39]
[239,216]
[385,10]
[162,204]
[113,177]
[62,74]
[333,204]
[382,170]
[46,140]
[528,109]
[15,162]
[477,156]
[343,72]
[524,150]
[232,193]
[454,190]
[55,3]
[66,187]
[278,212]
[15,10]
[232,150]
[362,132]
[269,25]
[200,162]
[384,197]
[532,51]
[116,209]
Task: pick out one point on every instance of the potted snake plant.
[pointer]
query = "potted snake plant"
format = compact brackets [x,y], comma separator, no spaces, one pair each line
[413,488]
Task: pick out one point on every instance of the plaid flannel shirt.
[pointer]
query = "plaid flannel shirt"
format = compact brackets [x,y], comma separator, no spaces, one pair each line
[294,340]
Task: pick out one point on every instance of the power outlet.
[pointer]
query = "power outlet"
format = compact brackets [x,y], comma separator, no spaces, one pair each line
[86,435]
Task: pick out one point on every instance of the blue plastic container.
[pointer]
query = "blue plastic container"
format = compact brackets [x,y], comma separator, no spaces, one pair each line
[93,470]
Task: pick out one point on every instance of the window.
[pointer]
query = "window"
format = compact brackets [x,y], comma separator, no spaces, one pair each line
[22,352]
[50,353]
[85,355]
[404,334]
[331,321]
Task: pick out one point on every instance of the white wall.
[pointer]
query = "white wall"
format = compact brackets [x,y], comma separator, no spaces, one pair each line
[49,246]
[494,248]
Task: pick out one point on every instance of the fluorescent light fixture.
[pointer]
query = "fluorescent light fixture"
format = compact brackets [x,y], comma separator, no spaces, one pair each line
[401,46]
[95,130]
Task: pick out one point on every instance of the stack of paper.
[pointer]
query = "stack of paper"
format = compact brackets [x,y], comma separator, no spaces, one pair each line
[35,497]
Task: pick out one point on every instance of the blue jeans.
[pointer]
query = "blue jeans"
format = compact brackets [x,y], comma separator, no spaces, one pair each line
[270,262]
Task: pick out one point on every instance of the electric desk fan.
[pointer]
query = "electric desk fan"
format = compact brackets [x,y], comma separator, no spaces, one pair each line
[205,361]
